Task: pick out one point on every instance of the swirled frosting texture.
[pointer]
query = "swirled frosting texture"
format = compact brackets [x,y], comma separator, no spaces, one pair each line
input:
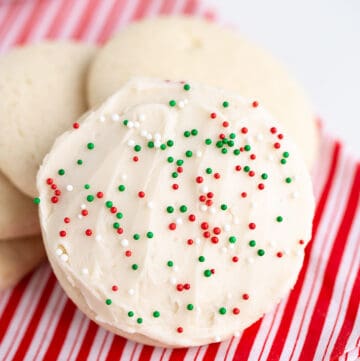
[177,211]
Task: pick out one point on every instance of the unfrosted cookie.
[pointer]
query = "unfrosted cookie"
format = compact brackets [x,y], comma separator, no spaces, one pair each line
[179,48]
[41,92]
[18,213]
[18,257]
[181,215]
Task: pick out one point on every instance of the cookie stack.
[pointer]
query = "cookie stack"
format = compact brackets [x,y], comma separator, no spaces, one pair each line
[175,212]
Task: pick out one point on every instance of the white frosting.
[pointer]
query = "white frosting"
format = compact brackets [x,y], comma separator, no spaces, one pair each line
[117,274]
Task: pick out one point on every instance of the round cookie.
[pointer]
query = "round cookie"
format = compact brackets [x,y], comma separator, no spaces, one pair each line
[180,187]
[18,213]
[41,92]
[179,48]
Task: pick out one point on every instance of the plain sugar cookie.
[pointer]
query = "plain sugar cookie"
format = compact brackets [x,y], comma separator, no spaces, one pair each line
[18,213]
[179,48]
[181,215]
[41,92]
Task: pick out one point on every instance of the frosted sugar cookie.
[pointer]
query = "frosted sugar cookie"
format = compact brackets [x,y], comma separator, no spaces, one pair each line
[180,48]
[41,93]
[179,213]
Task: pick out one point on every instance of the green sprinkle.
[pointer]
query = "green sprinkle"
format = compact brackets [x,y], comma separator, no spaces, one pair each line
[163,146]
[79,162]
[134,266]
[87,186]
[208,141]
[139,320]
[170,263]
[252,243]
[131,314]
[90,198]
[170,209]
[201,259]
[90,146]
[174,174]
[108,204]
[283,161]
[236,151]
[232,239]
[187,134]
[230,143]
[179,162]
[151,144]
[288,180]
[136,236]
[246,168]
[232,135]
[108,302]
[121,188]
[156,314]
[190,307]
[264,176]
[189,153]
[186,87]
[247,147]
[223,207]
[208,170]
[207,273]
[170,143]
[170,159]
[125,122]
[183,209]
[119,215]
[194,132]
[224,151]
[61,171]
[222,310]
[36,200]
[225,104]
[172,103]
[150,234]
[260,252]
[116,225]
[219,144]
[286,154]
[279,219]
[137,148]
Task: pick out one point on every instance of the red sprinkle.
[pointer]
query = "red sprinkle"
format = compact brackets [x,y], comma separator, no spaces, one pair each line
[179,169]
[180,330]
[210,195]
[235,259]
[76,125]
[261,186]
[67,220]
[53,186]
[172,226]
[217,230]
[113,209]
[179,287]
[217,175]
[273,130]
[252,225]
[204,225]
[251,173]
[209,202]
[245,296]
[279,254]
[214,240]
[244,194]
[255,104]
[202,198]
[222,136]
[84,212]
[175,186]
[54,199]
[212,271]
[62,233]
[128,253]
[236,311]
[136,158]
[301,241]
[114,288]
[190,241]
[187,286]
[277,145]
[120,230]
[57,192]
[252,156]
[207,234]
[88,232]
[244,130]
[213,115]
[141,194]
[225,124]
[280,136]
[199,179]
[99,194]
[192,217]
[49,181]
[238,168]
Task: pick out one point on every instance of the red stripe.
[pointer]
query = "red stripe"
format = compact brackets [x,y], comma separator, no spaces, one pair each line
[60,19]
[85,19]
[167,7]
[12,304]
[111,21]
[178,354]
[349,320]
[116,348]
[229,347]
[286,320]
[61,331]
[146,353]
[142,9]
[10,18]
[79,330]
[35,319]
[326,292]
[191,7]
[246,341]
[88,340]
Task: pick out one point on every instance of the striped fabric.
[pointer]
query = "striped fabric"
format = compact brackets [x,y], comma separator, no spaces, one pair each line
[320,318]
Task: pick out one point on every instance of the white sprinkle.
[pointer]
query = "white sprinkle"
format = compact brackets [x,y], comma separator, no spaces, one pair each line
[249,138]
[98,238]
[157,143]
[250,260]
[295,194]
[124,177]
[253,204]
[217,338]
[224,250]
[157,136]
[231,245]
[204,208]
[69,188]
[64,257]
[287,252]
[181,104]
[179,221]
[130,124]
[205,189]
[115,117]
[270,157]
[197,241]
[131,292]
[102,118]
[173,280]
[212,210]
[59,251]
[150,204]
[142,117]
[175,268]
[227,227]
[80,216]
[124,242]
[237,334]
[85,271]
[149,136]
[259,137]
[199,153]
[144,133]
[83,206]
[136,125]
[131,142]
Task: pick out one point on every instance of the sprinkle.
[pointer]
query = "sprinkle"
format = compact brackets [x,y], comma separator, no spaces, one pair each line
[156,314]
[225,104]
[90,146]
[252,225]
[79,162]
[141,194]
[130,314]
[279,219]
[260,252]
[131,292]
[170,263]
[207,273]
[134,266]
[288,180]
[201,259]
[64,257]
[139,320]
[186,87]
[223,207]
[255,104]
[252,243]
[180,330]
[69,188]
[108,302]
[222,310]
[232,239]
[189,153]
[235,259]
[88,232]
[36,200]
[172,103]
[235,311]
[149,234]
[124,242]
[245,296]
[190,307]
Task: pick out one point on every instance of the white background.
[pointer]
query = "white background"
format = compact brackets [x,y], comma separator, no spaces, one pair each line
[319,42]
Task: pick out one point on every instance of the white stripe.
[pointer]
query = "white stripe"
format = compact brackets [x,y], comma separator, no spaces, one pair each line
[344,282]
[127,14]
[220,354]
[156,355]
[354,335]
[126,352]
[327,231]
[233,347]
[191,353]
[155,7]
[75,336]
[4,10]
[98,340]
[24,311]
[48,319]
[13,31]
[136,351]
[178,7]
[108,340]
